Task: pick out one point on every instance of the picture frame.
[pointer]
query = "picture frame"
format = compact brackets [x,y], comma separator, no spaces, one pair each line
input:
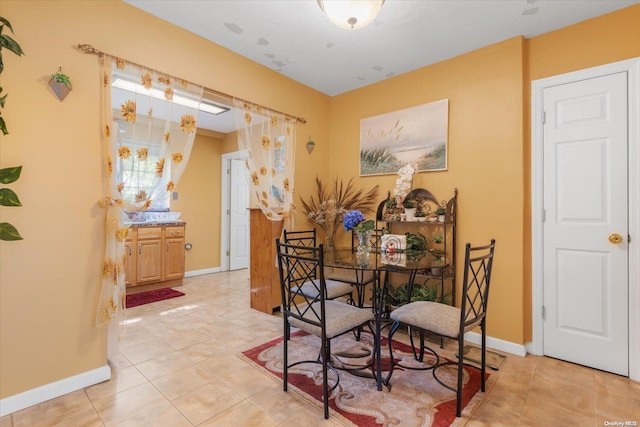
[417,135]
[393,243]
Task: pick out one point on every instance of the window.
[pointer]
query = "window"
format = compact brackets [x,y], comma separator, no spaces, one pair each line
[139,174]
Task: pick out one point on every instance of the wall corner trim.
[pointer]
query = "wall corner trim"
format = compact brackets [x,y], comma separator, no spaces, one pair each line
[49,391]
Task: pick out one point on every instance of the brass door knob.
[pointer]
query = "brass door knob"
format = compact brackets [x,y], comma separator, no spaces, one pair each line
[615,238]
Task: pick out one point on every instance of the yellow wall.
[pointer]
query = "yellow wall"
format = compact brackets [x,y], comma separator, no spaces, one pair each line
[199,201]
[484,89]
[49,282]
[49,310]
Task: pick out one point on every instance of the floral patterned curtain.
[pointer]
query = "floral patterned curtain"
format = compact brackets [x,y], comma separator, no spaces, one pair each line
[149,125]
[269,139]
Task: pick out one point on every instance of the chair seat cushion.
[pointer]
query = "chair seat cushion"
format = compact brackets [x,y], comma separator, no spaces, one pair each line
[349,276]
[335,289]
[432,316]
[340,318]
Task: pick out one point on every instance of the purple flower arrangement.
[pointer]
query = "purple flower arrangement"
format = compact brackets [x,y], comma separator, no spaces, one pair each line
[355,220]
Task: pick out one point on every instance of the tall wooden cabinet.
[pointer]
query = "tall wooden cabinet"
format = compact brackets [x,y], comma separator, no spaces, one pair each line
[265,279]
[154,257]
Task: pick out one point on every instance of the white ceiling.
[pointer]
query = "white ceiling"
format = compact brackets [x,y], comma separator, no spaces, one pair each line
[296,39]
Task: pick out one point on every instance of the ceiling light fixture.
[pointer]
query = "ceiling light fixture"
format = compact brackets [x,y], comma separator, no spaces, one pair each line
[205,106]
[351,14]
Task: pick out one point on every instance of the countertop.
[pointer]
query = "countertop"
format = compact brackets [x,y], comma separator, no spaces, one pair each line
[153,223]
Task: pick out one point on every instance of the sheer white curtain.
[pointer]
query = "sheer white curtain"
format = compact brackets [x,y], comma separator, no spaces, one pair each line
[149,125]
[269,138]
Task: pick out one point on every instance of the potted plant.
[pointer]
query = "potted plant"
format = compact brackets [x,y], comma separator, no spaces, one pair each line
[441,211]
[409,209]
[310,145]
[421,216]
[10,174]
[398,296]
[436,267]
[416,242]
[60,83]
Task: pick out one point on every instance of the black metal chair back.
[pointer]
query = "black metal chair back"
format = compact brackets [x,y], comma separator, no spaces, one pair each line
[478,264]
[306,238]
[300,265]
[299,241]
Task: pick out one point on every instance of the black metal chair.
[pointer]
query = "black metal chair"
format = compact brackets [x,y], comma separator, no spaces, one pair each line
[335,288]
[450,321]
[313,312]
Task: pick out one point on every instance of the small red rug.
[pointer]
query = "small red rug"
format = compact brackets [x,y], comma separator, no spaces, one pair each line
[415,398]
[147,297]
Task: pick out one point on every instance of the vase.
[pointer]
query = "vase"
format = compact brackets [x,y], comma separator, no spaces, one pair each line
[329,242]
[364,241]
[410,214]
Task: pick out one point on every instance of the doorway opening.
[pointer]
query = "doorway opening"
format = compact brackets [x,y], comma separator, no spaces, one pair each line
[234,223]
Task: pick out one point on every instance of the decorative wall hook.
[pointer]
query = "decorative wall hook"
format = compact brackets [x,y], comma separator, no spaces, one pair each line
[60,84]
[310,145]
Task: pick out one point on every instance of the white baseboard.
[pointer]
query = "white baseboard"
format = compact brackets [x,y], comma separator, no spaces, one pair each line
[497,344]
[202,272]
[46,392]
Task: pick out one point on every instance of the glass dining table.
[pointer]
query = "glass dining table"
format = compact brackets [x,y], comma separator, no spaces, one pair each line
[381,264]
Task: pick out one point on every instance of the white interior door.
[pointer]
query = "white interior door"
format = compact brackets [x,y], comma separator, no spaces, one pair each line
[585,273]
[238,216]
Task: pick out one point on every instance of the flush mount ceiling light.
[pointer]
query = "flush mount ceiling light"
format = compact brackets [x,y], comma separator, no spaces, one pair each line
[351,14]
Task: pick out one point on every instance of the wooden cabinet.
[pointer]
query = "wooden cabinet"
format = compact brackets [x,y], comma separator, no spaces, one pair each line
[265,278]
[173,253]
[130,248]
[154,257]
[149,255]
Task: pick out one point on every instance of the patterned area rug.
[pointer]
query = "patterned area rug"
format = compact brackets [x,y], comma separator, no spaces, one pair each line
[415,399]
[147,297]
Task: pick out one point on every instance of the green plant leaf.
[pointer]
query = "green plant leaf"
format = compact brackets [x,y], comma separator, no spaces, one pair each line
[61,78]
[3,127]
[9,198]
[11,44]
[6,23]
[2,99]
[9,232]
[9,175]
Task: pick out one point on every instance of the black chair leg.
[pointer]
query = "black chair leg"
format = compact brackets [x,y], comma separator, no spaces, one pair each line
[483,366]
[325,381]
[392,331]
[460,365]
[285,344]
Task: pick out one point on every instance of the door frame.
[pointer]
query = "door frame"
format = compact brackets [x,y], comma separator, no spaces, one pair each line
[632,68]
[225,194]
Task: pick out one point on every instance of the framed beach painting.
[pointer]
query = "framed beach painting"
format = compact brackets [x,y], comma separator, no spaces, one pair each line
[416,135]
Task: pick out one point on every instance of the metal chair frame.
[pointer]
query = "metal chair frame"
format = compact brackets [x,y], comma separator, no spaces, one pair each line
[298,265]
[308,239]
[478,266]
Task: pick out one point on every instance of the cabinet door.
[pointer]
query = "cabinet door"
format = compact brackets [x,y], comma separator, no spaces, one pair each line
[149,261]
[174,258]
[129,263]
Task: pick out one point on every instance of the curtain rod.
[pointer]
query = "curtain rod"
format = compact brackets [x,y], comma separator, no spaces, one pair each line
[87,48]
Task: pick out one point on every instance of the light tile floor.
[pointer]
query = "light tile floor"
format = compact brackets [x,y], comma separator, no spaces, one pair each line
[178,366]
